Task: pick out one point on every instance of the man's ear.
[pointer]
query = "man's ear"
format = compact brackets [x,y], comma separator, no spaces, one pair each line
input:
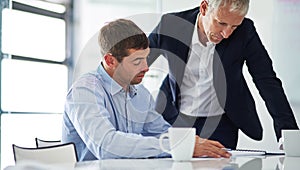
[203,7]
[110,60]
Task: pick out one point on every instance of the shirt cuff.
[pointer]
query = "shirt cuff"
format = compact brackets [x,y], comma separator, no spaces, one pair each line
[280,143]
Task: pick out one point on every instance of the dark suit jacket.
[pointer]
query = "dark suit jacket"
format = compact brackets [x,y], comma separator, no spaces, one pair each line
[172,38]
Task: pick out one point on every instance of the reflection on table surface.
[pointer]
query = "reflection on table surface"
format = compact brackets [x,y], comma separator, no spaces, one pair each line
[196,163]
[237,163]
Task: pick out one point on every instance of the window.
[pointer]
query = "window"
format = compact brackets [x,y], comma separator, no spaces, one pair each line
[45,34]
[35,64]
[29,86]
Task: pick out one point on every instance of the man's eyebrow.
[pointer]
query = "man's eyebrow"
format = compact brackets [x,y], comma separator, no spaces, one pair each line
[226,22]
[138,58]
[220,20]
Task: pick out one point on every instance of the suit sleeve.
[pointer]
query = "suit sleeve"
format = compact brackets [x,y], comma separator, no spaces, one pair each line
[268,84]
[154,39]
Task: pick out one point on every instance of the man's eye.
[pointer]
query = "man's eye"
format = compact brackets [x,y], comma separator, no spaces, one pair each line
[137,62]
[222,23]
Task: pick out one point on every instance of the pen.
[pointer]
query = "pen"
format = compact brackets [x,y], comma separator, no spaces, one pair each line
[227,149]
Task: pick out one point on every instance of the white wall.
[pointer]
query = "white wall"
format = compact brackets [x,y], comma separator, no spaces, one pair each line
[177,5]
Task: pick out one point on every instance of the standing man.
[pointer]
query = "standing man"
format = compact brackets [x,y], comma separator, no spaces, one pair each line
[206,48]
[108,114]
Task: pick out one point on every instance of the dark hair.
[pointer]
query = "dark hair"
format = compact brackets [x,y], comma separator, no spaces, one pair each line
[118,36]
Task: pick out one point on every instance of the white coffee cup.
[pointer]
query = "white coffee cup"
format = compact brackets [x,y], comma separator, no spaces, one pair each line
[291,163]
[182,143]
[291,144]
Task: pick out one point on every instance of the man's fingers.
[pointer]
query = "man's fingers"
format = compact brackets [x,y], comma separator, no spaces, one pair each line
[212,152]
[218,152]
[215,143]
[210,148]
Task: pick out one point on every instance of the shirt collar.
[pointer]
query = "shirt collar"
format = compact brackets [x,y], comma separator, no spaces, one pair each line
[111,85]
[195,38]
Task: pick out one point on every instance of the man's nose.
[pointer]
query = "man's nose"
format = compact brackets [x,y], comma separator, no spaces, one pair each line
[145,66]
[226,32]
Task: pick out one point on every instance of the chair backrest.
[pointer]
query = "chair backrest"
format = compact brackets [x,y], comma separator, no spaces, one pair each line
[42,143]
[58,154]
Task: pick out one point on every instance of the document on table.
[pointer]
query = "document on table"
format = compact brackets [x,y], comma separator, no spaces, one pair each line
[250,152]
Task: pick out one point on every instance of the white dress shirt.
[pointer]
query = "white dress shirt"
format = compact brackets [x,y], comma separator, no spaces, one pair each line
[198,95]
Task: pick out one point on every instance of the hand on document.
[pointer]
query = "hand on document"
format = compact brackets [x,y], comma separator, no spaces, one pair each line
[210,148]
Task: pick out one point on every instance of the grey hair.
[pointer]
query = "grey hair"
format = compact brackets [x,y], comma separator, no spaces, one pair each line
[240,6]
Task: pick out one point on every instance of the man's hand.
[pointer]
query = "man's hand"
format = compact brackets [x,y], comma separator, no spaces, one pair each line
[210,148]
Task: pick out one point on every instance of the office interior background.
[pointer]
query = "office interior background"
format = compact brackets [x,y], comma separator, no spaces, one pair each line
[46,45]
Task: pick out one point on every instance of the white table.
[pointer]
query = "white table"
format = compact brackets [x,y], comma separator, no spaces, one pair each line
[238,163]
[243,163]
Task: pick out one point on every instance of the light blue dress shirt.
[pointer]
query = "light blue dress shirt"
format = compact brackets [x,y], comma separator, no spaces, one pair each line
[105,122]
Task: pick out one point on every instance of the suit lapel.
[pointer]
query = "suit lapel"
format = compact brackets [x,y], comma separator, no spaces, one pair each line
[220,48]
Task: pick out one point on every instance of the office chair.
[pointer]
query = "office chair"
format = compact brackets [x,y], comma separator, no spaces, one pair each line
[57,154]
[42,143]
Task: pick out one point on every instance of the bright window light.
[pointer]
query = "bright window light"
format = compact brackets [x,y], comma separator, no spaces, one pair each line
[33,87]
[58,8]
[32,35]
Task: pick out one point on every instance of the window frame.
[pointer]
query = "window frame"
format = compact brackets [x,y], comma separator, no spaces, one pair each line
[67,16]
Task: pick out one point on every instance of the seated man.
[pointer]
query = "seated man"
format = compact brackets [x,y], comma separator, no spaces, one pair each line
[108,114]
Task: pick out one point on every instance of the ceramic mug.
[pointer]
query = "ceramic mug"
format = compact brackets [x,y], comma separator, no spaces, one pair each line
[181,142]
[291,144]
